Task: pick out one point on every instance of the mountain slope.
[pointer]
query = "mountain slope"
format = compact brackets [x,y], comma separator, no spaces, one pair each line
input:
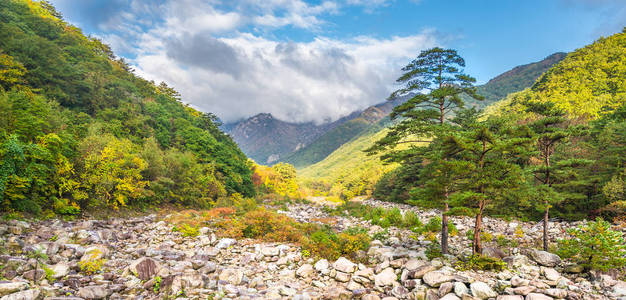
[514,80]
[341,134]
[79,129]
[348,171]
[587,83]
[266,139]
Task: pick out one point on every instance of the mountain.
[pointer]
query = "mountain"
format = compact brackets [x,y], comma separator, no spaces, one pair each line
[588,83]
[266,139]
[81,130]
[341,134]
[348,171]
[514,80]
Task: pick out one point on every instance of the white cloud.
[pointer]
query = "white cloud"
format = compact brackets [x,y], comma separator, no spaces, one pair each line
[315,81]
[202,49]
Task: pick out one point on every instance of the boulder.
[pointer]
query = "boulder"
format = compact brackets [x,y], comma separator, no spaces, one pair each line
[482,291]
[232,276]
[536,296]
[23,295]
[545,258]
[556,293]
[144,268]
[270,251]
[321,265]
[12,287]
[60,270]
[450,296]
[619,289]
[551,274]
[93,292]
[421,270]
[305,270]
[344,265]
[460,289]
[436,278]
[385,278]
[225,243]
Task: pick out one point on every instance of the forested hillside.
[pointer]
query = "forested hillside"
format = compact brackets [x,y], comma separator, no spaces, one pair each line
[330,141]
[514,80]
[588,83]
[78,129]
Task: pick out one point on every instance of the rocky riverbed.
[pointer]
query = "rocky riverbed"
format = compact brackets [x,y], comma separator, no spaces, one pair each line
[142,258]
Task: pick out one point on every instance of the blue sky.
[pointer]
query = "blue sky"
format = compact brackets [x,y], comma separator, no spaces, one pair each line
[319,60]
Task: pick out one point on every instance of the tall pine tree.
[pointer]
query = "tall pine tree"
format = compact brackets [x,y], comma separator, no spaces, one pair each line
[435,81]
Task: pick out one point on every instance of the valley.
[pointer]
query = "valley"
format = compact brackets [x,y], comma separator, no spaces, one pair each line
[117,186]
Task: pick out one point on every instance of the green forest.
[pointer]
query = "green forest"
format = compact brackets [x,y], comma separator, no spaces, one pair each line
[80,130]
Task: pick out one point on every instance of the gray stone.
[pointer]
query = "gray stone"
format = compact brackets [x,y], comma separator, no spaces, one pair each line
[619,289]
[421,270]
[232,276]
[385,278]
[305,270]
[12,287]
[509,297]
[144,268]
[551,274]
[556,293]
[342,277]
[60,270]
[445,288]
[461,289]
[225,243]
[482,290]
[344,265]
[270,251]
[23,295]
[450,296]
[321,265]
[536,296]
[544,258]
[93,292]
[436,278]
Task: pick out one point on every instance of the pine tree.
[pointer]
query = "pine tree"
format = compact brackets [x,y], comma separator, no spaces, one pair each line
[550,130]
[435,83]
[487,154]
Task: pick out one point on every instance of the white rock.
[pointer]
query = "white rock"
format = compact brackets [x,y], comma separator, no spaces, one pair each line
[460,289]
[12,287]
[436,278]
[385,278]
[450,296]
[225,243]
[232,276]
[344,265]
[482,290]
[305,270]
[321,265]
[270,251]
[23,295]
[536,296]
[551,274]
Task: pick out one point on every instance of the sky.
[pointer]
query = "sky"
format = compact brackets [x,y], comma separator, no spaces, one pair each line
[318,60]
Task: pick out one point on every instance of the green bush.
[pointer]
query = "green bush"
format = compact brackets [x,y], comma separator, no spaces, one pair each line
[326,243]
[594,246]
[478,262]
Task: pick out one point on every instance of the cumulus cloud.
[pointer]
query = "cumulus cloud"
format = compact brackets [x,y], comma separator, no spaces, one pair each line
[205,50]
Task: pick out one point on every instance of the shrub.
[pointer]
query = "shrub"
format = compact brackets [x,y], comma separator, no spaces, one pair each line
[187,230]
[411,220]
[327,244]
[382,235]
[478,262]
[262,224]
[394,216]
[433,250]
[433,225]
[594,246]
[92,265]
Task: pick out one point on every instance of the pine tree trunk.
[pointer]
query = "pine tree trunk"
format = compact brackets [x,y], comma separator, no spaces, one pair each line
[545,229]
[476,246]
[444,229]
